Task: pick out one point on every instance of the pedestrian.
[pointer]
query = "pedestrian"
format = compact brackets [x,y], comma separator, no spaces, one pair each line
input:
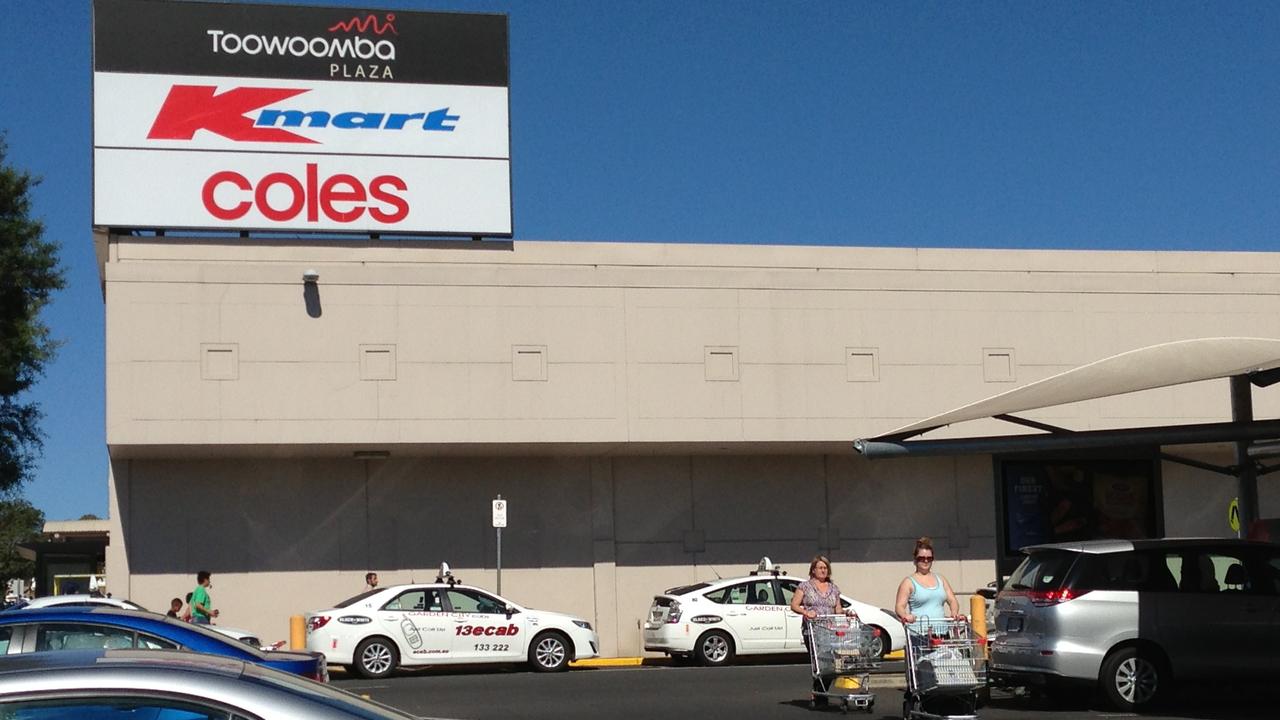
[175,608]
[370,581]
[818,595]
[925,598]
[202,610]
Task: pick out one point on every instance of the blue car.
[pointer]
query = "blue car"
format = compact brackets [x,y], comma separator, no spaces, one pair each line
[100,628]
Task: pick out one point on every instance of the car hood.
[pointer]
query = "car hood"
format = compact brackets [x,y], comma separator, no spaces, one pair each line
[548,616]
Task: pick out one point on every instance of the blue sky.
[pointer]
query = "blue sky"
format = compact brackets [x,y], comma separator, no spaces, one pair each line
[1064,125]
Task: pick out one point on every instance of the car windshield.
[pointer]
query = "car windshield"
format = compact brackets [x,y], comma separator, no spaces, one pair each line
[326,695]
[353,600]
[1042,570]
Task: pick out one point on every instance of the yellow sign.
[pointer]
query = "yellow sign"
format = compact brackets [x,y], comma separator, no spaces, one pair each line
[1233,514]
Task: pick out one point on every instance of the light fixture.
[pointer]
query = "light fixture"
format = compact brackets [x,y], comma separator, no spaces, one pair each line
[371,454]
[310,275]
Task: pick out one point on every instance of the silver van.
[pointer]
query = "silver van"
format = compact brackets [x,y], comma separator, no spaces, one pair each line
[1136,617]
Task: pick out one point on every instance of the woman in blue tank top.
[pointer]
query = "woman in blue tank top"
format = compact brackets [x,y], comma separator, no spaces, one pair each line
[925,597]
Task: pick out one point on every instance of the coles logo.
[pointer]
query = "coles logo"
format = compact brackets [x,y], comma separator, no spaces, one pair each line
[281,197]
[490,630]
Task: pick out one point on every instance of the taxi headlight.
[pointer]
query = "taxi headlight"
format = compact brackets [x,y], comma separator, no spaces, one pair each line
[582,624]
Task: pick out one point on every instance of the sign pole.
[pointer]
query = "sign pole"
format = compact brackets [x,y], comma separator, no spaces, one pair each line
[499,522]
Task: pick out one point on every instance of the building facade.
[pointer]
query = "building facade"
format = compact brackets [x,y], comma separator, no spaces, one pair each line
[289,414]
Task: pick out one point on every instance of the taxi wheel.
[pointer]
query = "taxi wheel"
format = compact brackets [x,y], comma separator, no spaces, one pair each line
[714,649]
[549,652]
[376,657]
[880,643]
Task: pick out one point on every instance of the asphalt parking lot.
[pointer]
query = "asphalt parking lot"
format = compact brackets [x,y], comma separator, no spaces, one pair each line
[754,691]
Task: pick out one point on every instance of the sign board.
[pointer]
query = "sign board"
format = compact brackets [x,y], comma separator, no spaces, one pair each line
[1233,514]
[499,513]
[290,118]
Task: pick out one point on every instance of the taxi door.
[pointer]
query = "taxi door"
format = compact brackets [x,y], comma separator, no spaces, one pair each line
[480,630]
[753,612]
[415,619]
[793,621]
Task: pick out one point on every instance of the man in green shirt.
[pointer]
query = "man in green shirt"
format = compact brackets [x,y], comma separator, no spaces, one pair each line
[201,605]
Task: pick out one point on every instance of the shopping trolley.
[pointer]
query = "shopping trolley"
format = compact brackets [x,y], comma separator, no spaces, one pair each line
[841,657]
[946,669]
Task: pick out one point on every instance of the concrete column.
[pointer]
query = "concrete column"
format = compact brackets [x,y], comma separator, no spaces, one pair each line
[604,556]
[118,576]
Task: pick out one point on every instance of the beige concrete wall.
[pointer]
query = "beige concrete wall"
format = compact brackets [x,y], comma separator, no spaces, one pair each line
[633,466]
[626,331]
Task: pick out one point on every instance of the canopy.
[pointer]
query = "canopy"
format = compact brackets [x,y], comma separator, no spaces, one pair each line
[1156,366]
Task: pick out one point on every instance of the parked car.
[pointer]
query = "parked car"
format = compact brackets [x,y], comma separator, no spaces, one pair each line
[83,600]
[78,628]
[79,600]
[712,622]
[444,623]
[1136,617]
[99,684]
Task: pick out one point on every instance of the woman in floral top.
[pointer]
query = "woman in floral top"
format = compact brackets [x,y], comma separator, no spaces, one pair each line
[818,596]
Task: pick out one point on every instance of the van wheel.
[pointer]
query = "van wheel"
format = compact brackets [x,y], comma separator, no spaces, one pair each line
[1131,679]
[714,649]
[376,657]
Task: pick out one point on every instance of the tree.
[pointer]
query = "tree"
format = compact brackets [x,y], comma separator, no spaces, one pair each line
[20,522]
[29,273]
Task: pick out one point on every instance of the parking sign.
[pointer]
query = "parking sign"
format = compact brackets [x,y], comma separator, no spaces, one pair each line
[499,513]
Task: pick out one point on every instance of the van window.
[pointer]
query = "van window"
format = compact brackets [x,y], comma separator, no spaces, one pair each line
[1132,571]
[1043,570]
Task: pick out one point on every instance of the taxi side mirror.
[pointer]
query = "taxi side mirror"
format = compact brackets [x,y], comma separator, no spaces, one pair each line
[510,611]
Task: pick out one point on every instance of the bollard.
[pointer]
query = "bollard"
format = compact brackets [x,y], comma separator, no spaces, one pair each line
[978,614]
[978,618]
[297,632]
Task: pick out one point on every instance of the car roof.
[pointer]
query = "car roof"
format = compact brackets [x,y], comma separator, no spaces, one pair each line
[721,582]
[78,598]
[1114,546]
[80,659]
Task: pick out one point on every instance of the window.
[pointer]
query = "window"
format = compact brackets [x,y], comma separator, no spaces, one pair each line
[82,708]
[731,595]
[6,634]
[761,592]
[421,600]
[470,601]
[1269,581]
[71,636]
[1042,570]
[353,600]
[150,642]
[787,590]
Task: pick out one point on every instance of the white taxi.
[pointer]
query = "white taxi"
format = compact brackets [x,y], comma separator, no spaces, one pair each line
[444,623]
[714,621]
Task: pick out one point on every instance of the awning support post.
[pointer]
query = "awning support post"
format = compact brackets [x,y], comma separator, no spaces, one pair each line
[1246,469]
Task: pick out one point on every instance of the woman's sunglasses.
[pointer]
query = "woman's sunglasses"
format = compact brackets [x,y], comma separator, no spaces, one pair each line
[924,558]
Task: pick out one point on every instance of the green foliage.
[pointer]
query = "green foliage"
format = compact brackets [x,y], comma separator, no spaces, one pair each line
[29,273]
[19,522]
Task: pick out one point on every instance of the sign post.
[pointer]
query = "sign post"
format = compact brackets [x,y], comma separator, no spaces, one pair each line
[499,522]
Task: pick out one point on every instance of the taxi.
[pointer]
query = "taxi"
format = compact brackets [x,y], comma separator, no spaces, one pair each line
[712,622]
[444,623]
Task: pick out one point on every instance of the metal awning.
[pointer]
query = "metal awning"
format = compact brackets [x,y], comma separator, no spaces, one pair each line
[1246,361]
